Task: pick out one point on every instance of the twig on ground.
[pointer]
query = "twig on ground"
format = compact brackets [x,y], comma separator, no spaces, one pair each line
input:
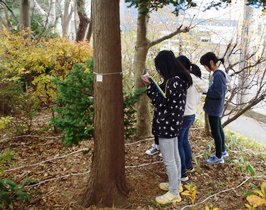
[56,178]
[231,189]
[29,136]
[49,160]
[144,164]
[136,142]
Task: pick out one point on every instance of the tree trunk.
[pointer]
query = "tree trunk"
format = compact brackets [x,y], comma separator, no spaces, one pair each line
[89,34]
[52,16]
[66,17]
[83,21]
[25,15]
[243,76]
[207,125]
[139,66]
[107,184]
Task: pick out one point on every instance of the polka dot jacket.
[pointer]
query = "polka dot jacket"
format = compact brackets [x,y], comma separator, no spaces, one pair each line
[169,111]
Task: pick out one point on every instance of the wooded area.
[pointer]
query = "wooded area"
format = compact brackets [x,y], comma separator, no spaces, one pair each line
[69,72]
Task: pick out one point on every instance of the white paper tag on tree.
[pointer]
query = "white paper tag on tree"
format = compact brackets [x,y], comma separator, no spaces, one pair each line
[99,78]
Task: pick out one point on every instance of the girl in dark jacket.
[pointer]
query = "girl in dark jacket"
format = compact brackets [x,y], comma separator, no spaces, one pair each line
[214,105]
[168,116]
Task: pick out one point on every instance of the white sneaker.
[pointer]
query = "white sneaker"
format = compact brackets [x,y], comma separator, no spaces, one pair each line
[165,186]
[154,149]
[168,198]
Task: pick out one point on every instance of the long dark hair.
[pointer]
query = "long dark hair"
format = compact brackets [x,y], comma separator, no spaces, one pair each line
[192,68]
[168,67]
[208,57]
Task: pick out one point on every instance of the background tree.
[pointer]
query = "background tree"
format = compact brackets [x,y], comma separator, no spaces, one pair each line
[107,184]
[25,15]
[83,21]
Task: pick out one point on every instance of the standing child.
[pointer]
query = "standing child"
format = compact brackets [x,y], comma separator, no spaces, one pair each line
[168,116]
[214,105]
[194,93]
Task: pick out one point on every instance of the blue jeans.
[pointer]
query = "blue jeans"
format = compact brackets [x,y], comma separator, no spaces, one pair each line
[184,145]
[171,160]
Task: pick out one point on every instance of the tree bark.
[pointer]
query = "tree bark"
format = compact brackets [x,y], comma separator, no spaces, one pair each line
[107,184]
[89,34]
[66,18]
[139,66]
[25,15]
[83,21]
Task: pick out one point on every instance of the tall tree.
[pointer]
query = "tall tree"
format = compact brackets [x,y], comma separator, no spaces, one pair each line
[107,184]
[83,21]
[25,14]
[66,17]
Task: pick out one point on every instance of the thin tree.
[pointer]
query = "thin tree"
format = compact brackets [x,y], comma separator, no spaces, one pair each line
[107,184]
[83,21]
[25,15]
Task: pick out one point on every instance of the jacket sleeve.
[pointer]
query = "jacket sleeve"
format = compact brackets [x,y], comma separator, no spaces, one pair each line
[155,96]
[200,84]
[217,89]
[174,93]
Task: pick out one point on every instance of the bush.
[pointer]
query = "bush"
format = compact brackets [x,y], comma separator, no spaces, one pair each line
[10,192]
[130,100]
[75,105]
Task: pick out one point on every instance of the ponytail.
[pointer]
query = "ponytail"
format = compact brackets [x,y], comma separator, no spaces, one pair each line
[195,70]
[222,60]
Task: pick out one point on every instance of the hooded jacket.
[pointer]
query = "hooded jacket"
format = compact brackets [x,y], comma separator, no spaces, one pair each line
[214,103]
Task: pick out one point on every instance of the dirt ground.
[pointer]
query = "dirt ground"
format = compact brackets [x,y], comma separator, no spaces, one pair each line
[60,173]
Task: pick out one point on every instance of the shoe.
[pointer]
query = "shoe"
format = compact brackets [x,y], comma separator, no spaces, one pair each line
[168,198]
[214,159]
[152,150]
[189,170]
[184,178]
[160,155]
[225,154]
[165,186]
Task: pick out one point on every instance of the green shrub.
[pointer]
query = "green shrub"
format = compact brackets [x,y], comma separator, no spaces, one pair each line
[10,192]
[74,105]
[130,100]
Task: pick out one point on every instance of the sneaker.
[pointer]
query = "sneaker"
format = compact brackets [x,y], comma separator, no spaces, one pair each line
[225,154]
[165,186]
[168,198]
[189,170]
[184,178]
[214,159]
[152,150]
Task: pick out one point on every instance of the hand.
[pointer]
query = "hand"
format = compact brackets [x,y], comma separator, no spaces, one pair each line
[145,78]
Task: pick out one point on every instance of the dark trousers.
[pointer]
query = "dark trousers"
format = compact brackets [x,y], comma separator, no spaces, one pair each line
[217,134]
[184,145]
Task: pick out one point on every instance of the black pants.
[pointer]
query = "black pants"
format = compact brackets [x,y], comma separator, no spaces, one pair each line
[217,134]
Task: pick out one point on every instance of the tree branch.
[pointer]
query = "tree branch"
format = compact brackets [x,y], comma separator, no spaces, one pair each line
[10,10]
[178,31]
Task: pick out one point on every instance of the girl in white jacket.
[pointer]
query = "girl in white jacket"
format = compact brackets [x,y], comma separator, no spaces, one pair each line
[194,93]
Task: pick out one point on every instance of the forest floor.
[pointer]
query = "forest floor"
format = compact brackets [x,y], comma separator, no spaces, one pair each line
[60,173]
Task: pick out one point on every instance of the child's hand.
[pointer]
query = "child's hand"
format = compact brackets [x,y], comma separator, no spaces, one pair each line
[145,78]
